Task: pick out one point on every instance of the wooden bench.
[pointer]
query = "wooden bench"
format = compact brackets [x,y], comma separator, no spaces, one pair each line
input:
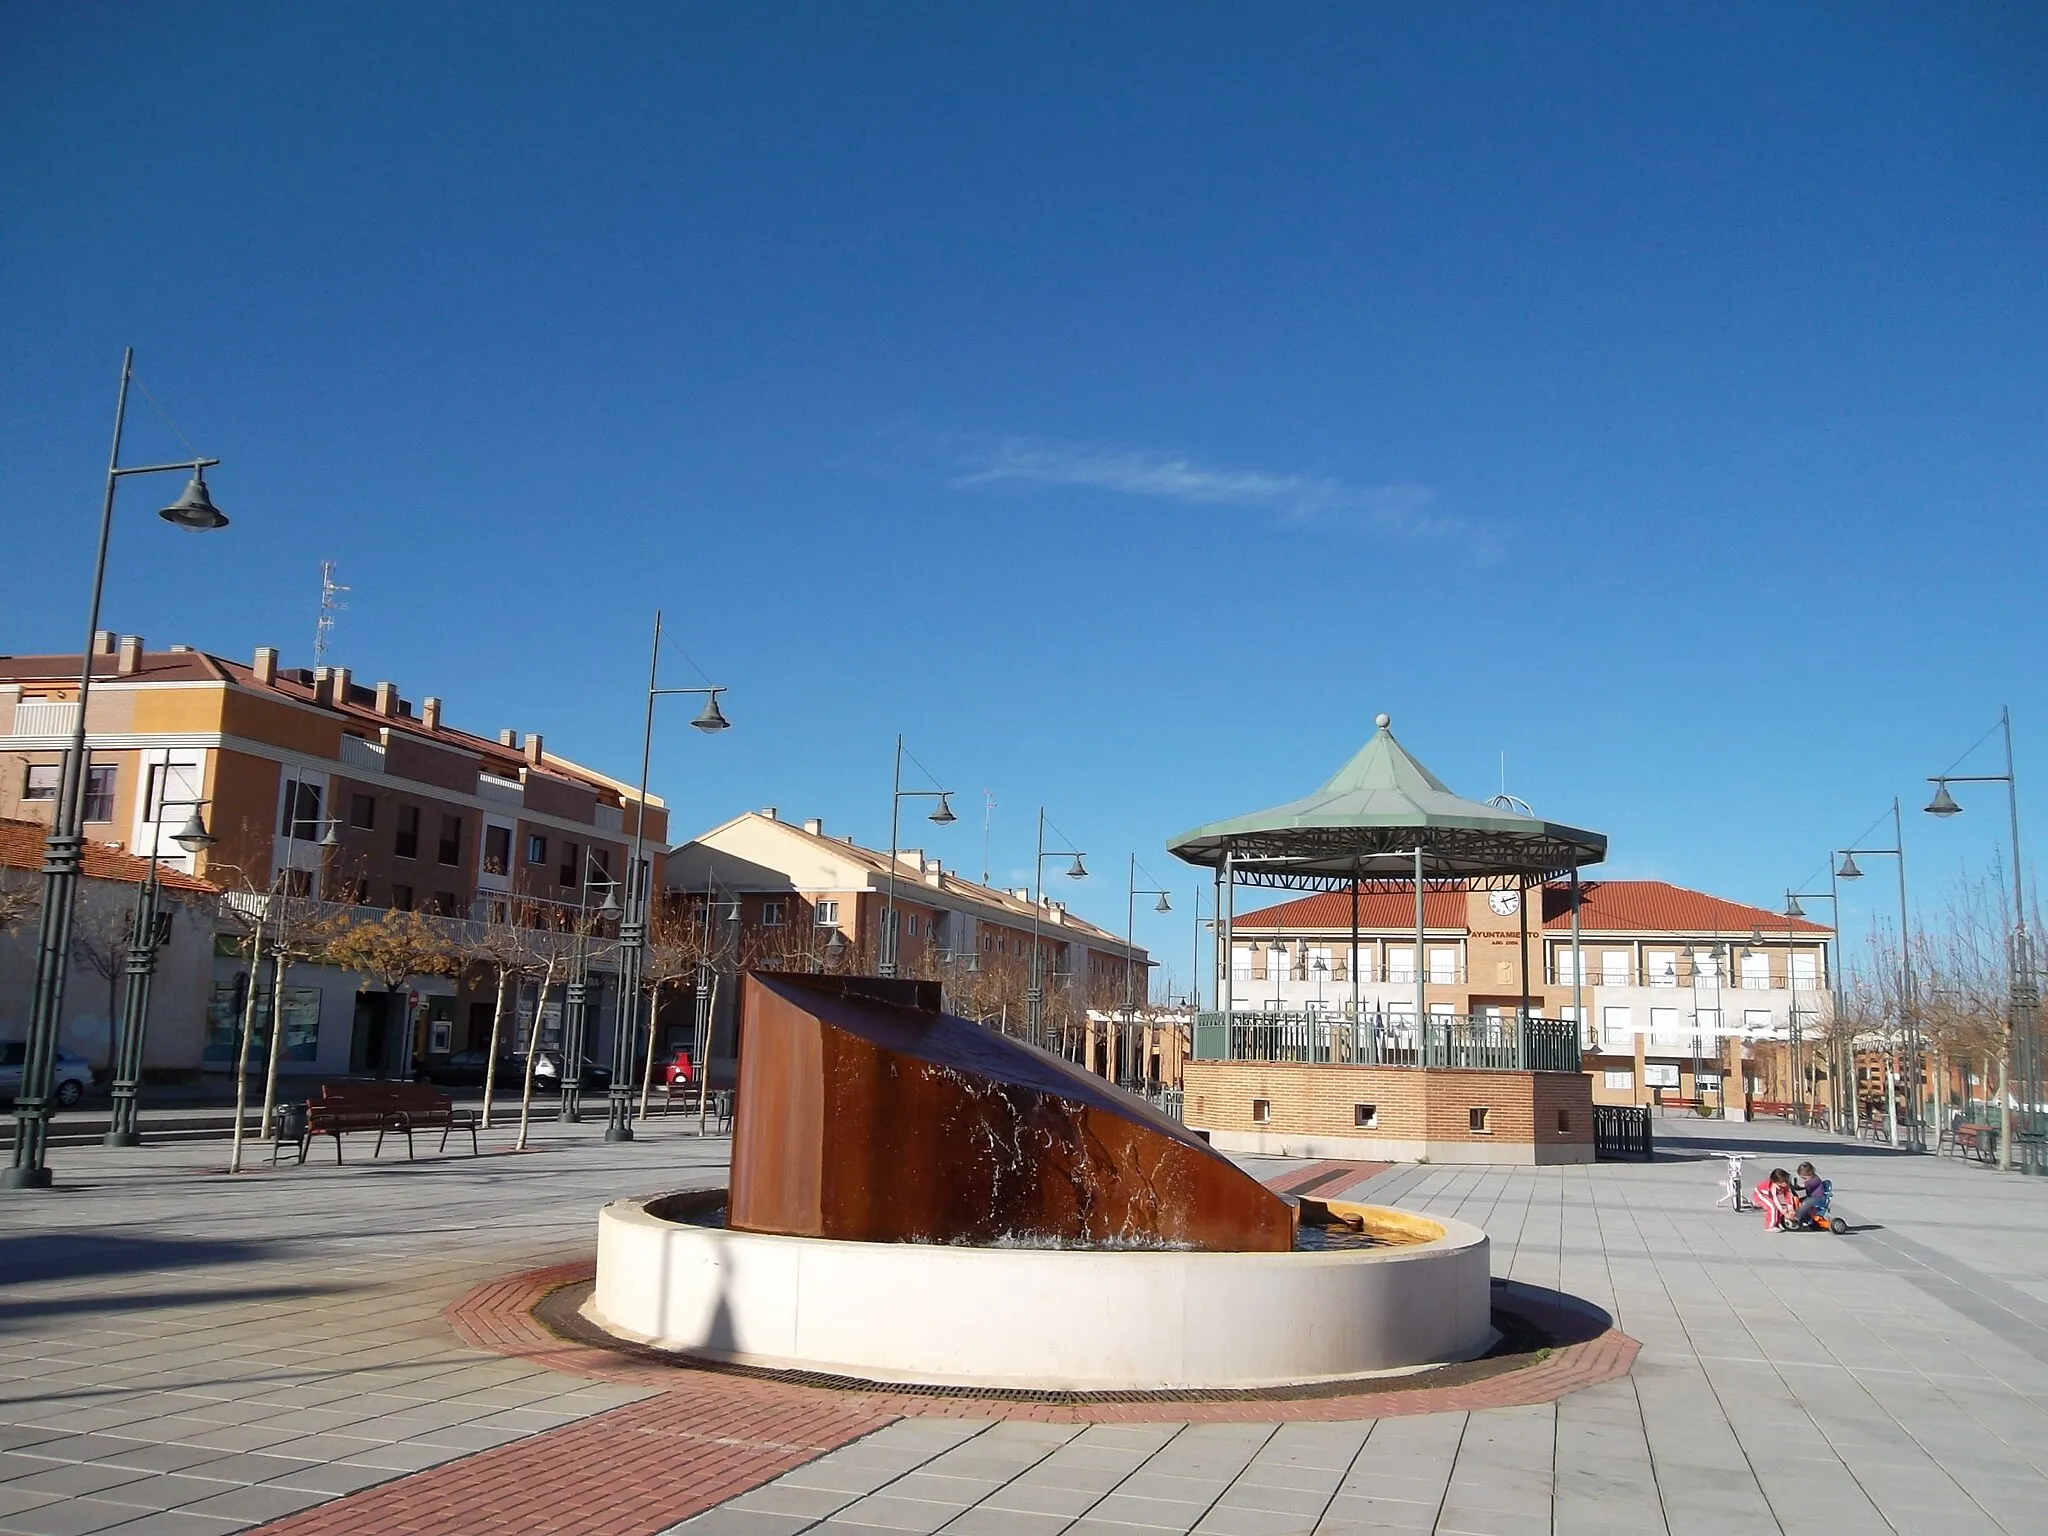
[1781,1108]
[383,1108]
[1683,1106]
[1978,1141]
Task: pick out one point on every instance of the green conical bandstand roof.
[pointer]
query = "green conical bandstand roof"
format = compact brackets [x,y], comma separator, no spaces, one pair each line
[1367,822]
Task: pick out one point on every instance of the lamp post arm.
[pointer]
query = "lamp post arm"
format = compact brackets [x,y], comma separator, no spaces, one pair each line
[188,465]
[888,958]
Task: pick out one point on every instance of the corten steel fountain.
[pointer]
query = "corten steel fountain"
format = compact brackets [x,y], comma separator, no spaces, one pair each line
[916,1198]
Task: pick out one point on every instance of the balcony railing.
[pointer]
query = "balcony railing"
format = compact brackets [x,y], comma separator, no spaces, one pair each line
[1561,976]
[45,717]
[1439,976]
[1477,1042]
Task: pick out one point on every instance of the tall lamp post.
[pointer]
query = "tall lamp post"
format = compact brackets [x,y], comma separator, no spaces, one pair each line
[1125,1054]
[942,814]
[574,995]
[1908,1012]
[2022,999]
[1794,911]
[633,920]
[148,934]
[1034,995]
[63,851]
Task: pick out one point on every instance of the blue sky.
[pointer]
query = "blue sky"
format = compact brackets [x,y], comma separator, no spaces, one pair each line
[1124,403]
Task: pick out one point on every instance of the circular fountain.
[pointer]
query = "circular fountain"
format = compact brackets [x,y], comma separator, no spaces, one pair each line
[1045,1318]
[915,1199]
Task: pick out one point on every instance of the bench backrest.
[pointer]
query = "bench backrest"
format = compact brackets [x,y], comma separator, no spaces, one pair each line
[383,1096]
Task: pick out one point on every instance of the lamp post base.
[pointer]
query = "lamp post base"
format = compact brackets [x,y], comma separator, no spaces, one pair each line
[618,1133]
[121,1139]
[24,1178]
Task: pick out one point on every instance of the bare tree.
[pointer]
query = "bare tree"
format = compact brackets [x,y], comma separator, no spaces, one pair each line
[507,945]
[21,893]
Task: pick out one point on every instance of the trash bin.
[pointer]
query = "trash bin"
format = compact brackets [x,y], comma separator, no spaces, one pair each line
[291,1122]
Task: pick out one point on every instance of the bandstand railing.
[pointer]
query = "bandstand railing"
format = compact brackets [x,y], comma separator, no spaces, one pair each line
[1476,1041]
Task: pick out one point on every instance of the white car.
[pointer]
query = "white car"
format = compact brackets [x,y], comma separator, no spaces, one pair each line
[68,1084]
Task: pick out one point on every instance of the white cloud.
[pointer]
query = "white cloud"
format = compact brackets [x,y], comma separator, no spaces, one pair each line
[1390,511]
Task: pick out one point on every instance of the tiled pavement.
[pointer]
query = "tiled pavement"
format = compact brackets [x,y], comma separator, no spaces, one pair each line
[182,1354]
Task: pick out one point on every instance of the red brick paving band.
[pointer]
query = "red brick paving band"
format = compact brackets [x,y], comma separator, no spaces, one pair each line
[708,1436]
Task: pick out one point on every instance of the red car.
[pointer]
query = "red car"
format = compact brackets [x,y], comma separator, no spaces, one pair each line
[677,1072]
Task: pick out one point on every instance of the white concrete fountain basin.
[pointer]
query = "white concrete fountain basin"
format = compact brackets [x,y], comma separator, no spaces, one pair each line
[1056,1319]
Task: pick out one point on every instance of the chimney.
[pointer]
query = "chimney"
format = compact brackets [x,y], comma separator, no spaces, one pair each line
[769,812]
[130,658]
[533,748]
[509,738]
[1022,892]
[933,873]
[323,684]
[387,700]
[266,665]
[180,648]
[104,641]
[814,825]
[914,857]
[339,686]
[430,713]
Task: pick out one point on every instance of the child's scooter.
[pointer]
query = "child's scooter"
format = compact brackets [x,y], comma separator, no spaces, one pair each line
[1821,1220]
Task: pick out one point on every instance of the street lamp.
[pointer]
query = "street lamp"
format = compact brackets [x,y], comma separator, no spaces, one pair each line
[633,917]
[1034,996]
[570,1110]
[1132,892]
[942,814]
[63,851]
[1794,1038]
[1908,1016]
[148,934]
[2022,998]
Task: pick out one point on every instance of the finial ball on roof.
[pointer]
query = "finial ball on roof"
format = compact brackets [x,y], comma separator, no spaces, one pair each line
[1383,721]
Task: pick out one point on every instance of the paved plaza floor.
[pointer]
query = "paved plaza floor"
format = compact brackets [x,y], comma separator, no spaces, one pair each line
[184,1353]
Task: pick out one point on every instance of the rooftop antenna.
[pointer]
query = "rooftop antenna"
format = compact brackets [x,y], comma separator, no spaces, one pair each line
[1505,801]
[330,605]
[988,810]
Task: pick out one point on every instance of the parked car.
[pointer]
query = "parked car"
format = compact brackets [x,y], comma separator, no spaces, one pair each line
[547,1071]
[466,1069]
[67,1085]
[678,1073]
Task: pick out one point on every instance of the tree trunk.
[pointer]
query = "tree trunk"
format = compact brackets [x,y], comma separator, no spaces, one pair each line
[266,1126]
[704,1066]
[647,1071]
[242,1051]
[400,1028]
[540,1003]
[491,1061]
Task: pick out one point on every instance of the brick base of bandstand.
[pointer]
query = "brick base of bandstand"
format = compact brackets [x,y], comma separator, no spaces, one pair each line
[708,1434]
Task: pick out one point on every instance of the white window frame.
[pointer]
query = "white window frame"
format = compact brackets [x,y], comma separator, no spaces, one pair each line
[825,914]
[771,914]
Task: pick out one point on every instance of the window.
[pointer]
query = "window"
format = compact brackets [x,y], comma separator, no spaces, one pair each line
[451,840]
[1663,967]
[536,848]
[1443,965]
[568,872]
[988,941]
[406,842]
[771,915]
[1805,964]
[99,806]
[1622,1082]
[1615,1026]
[401,898]
[826,914]
[1262,1111]
[444,903]
[301,819]
[1477,1117]
[362,811]
[1366,1116]
[41,783]
[170,784]
[1564,1122]
[1566,967]
[1240,962]
[1708,1021]
[1401,963]
[497,850]
[1756,1021]
[1614,968]
[1756,972]
[1664,1026]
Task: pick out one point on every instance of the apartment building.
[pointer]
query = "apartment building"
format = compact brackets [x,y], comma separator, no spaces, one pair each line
[795,896]
[323,786]
[1671,976]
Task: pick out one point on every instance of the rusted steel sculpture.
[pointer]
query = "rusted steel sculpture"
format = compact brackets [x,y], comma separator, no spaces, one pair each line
[866,1114]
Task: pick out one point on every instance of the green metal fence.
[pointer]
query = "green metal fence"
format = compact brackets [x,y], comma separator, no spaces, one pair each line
[1479,1041]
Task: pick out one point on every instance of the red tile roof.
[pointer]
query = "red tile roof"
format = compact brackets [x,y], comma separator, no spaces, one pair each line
[1605,906]
[21,847]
